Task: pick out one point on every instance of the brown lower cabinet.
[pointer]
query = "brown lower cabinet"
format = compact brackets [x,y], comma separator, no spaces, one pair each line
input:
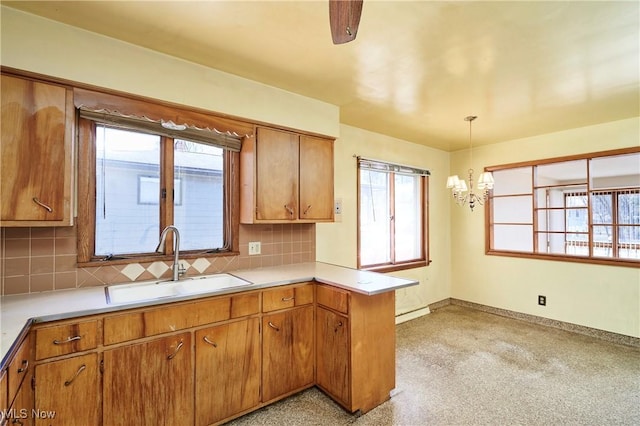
[21,412]
[355,357]
[332,335]
[19,394]
[207,361]
[4,397]
[149,383]
[287,352]
[227,370]
[67,392]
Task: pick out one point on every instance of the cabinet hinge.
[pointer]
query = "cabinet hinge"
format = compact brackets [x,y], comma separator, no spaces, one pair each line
[33,382]
[102,366]
[163,193]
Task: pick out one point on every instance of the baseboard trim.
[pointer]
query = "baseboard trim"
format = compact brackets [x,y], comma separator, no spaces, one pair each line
[407,316]
[608,336]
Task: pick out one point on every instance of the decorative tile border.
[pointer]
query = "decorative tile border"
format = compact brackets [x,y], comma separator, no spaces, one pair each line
[608,336]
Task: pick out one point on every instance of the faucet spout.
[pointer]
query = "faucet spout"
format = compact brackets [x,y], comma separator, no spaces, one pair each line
[177,268]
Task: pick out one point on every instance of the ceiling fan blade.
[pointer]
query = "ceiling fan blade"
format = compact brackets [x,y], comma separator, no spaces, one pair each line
[344,17]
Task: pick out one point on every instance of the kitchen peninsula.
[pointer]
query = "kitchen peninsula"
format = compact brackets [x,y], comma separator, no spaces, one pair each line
[223,353]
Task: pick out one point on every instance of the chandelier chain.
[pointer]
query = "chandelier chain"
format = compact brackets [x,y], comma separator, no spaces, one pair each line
[459,187]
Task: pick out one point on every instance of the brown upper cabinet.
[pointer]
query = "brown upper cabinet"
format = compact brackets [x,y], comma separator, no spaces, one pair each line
[36,154]
[286,177]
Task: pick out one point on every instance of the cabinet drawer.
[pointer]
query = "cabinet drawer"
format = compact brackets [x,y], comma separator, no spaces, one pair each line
[287,297]
[135,325]
[333,298]
[172,318]
[245,304]
[66,339]
[122,328]
[18,368]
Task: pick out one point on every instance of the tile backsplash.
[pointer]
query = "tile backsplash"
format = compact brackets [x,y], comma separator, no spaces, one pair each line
[44,259]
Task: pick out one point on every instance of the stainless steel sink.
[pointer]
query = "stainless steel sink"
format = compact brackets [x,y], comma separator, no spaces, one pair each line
[152,290]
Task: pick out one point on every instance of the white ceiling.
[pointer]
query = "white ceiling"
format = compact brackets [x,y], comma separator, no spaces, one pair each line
[416,68]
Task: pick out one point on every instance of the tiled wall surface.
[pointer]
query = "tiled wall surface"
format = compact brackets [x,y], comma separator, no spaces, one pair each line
[44,259]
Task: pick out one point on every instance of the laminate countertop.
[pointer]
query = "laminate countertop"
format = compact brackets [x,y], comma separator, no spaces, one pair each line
[19,312]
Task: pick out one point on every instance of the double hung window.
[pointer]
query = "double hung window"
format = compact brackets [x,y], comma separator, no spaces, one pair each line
[392,216]
[583,208]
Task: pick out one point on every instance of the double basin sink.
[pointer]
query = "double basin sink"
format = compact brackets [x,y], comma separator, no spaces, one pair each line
[152,290]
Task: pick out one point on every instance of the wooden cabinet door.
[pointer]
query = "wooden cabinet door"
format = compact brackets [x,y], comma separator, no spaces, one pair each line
[227,370]
[69,388]
[4,396]
[332,360]
[35,152]
[276,175]
[287,352]
[21,412]
[149,383]
[316,179]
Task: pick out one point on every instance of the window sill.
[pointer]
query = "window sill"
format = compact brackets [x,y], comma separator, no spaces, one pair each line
[398,267]
[145,258]
[575,259]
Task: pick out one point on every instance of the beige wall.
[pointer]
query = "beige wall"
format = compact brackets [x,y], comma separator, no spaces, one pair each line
[35,44]
[602,297]
[337,242]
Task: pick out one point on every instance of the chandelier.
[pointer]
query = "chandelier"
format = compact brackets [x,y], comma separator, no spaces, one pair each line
[459,186]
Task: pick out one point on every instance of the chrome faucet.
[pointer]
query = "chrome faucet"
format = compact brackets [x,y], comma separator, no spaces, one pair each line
[177,268]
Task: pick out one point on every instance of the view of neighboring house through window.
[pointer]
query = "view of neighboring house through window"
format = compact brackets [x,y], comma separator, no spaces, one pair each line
[123,225]
[392,215]
[585,207]
[129,193]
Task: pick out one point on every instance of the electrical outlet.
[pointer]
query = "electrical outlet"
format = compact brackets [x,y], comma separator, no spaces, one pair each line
[254,248]
[337,210]
[338,206]
[542,300]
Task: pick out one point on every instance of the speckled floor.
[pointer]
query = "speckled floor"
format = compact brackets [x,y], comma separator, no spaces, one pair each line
[460,366]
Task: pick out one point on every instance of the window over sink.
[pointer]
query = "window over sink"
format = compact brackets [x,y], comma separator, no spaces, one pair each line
[145,178]
[128,170]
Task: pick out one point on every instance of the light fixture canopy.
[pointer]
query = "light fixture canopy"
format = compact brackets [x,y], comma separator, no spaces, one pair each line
[459,186]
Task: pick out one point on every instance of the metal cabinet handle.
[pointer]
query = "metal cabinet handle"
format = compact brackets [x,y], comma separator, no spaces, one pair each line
[286,299]
[307,209]
[273,326]
[67,340]
[206,340]
[80,370]
[43,205]
[25,365]
[173,355]
[289,209]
